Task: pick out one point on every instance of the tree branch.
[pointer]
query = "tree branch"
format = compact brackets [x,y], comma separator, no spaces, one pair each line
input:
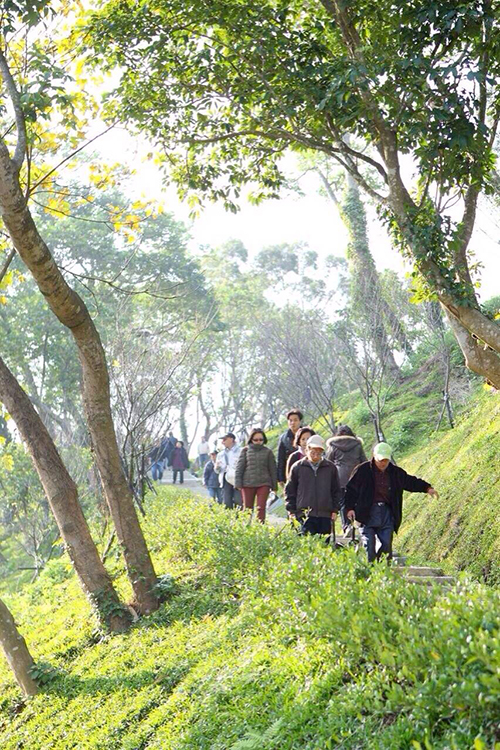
[20,151]
[7,263]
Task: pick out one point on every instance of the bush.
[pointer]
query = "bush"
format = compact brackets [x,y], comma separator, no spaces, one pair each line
[268,641]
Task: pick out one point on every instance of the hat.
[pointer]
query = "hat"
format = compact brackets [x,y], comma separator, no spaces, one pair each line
[316,441]
[228,434]
[381,451]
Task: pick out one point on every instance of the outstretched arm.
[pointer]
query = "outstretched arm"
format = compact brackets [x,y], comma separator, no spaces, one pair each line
[415,484]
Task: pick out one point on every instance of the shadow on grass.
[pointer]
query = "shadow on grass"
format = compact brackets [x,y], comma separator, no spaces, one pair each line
[69,686]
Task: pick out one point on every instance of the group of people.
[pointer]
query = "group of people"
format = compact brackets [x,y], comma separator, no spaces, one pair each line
[319,481]
[168,452]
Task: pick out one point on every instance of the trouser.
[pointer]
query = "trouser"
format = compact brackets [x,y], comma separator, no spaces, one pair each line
[180,472]
[157,470]
[343,517]
[232,496]
[380,526]
[202,460]
[316,525]
[249,495]
[215,493]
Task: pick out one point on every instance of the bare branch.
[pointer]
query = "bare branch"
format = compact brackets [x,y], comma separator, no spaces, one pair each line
[20,151]
[7,263]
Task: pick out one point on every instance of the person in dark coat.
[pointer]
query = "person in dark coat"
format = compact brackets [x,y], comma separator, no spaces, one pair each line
[285,443]
[313,491]
[211,479]
[300,443]
[179,461]
[157,459]
[171,442]
[374,497]
[345,450]
[256,473]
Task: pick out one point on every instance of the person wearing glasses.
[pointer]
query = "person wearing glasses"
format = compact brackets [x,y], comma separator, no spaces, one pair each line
[256,473]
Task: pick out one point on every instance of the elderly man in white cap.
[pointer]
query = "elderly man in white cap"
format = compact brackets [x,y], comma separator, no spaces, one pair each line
[313,492]
[374,497]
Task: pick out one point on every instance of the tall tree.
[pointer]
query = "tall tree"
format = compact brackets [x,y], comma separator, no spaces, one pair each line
[72,312]
[62,495]
[16,652]
[227,87]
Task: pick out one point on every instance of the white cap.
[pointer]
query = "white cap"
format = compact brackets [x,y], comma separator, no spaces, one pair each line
[382,451]
[316,441]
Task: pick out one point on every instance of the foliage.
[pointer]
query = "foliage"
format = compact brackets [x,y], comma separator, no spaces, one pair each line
[463,526]
[233,86]
[269,641]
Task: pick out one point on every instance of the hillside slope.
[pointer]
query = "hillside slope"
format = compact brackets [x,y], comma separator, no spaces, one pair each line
[267,641]
[463,464]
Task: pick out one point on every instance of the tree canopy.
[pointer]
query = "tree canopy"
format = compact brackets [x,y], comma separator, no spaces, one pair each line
[226,88]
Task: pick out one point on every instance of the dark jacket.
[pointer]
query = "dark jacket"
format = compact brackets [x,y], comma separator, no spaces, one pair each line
[285,448]
[360,491]
[256,467]
[179,459]
[210,478]
[297,455]
[317,491]
[346,453]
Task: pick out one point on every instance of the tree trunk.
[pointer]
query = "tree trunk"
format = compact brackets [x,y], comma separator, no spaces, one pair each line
[478,357]
[16,652]
[72,313]
[62,496]
[183,423]
[477,335]
[365,284]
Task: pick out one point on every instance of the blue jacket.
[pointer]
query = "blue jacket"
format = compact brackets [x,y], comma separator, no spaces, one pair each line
[210,478]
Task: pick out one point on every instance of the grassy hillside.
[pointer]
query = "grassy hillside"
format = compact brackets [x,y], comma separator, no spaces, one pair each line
[266,642]
[461,530]
[463,464]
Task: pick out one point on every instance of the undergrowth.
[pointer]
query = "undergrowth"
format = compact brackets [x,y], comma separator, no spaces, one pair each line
[266,642]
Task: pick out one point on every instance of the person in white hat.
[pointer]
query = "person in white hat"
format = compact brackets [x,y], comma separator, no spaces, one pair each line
[312,492]
[374,497]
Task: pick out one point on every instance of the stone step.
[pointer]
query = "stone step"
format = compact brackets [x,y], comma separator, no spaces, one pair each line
[431,580]
[422,571]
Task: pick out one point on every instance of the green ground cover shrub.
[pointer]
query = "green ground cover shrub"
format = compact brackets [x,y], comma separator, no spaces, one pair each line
[267,641]
[462,528]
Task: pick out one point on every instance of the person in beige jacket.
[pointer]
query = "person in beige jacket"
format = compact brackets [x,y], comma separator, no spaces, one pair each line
[256,472]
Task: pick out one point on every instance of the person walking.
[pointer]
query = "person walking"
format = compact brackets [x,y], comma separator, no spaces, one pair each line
[211,479]
[156,460]
[345,450]
[171,442]
[312,492]
[203,451]
[225,466]
[300,442]
[179,461]
[374,497]
[256,473]
[285,442]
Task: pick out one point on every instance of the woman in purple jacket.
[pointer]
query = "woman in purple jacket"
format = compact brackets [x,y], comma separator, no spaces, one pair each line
[179,461]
